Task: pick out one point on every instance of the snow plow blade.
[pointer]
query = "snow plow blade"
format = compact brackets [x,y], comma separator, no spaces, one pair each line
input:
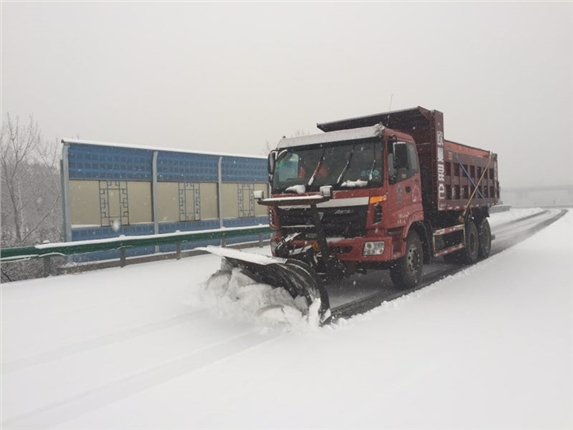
[294,276]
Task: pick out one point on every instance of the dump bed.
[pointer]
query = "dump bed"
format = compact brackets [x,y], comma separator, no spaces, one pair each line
[470,176]
[453,175]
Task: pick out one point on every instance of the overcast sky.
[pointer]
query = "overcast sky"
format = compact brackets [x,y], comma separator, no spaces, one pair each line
[231,77]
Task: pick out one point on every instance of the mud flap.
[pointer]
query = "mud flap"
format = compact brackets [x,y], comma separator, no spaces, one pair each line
[294,276]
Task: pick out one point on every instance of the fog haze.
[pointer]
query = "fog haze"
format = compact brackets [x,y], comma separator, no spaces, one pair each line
[232,77]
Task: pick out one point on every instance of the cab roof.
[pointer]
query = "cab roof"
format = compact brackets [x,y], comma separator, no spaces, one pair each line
[406,120]
[375,130]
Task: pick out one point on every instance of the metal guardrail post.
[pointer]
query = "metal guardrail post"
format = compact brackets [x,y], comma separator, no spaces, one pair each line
[47,267]
[178,253]
[122,257]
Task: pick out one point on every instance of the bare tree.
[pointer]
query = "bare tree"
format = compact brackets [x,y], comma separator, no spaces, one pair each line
[267,149]
[30,184]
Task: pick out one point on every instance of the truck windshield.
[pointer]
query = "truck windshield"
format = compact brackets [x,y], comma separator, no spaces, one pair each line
[345,166]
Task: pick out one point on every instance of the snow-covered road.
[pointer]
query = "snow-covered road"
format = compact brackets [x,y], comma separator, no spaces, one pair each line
[142,347]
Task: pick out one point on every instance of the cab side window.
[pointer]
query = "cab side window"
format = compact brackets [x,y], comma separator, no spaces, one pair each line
[412,160]
[402,160]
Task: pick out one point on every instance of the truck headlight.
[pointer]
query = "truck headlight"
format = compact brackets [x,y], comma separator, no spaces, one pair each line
[373,248]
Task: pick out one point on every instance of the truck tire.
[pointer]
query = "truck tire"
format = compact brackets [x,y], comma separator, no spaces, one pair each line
[469,254]
[484,235]
[406,272]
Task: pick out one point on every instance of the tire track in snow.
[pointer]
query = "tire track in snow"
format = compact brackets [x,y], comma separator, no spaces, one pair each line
[511,225]
[509,238]
[99,397]
[95,343]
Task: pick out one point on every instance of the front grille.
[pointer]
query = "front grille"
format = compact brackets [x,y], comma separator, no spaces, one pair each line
[336,222]
[377,214]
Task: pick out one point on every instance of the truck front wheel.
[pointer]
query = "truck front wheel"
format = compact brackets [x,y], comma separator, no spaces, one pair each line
[406,272]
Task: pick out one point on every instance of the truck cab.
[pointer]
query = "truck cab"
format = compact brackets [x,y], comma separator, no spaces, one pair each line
[373,176]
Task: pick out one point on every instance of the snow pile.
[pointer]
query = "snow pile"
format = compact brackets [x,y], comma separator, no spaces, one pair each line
[354,184]
[233,295]
[299,189]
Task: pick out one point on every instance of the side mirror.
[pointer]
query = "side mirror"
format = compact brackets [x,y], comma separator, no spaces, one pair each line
[400,155]
[271,161]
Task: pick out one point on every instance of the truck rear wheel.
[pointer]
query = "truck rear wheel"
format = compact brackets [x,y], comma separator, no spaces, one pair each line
[406,272]
[469,254]
[484,235]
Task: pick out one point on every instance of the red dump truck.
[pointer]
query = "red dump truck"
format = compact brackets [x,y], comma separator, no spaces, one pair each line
[383,191]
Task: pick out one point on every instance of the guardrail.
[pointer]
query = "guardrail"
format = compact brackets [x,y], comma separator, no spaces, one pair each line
[122,243]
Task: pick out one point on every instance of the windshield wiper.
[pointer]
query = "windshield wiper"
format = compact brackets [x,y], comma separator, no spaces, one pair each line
[317,168]
[371,170]
[346,166]
[359,182]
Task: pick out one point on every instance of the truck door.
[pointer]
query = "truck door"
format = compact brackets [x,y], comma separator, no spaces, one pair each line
[404,186]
